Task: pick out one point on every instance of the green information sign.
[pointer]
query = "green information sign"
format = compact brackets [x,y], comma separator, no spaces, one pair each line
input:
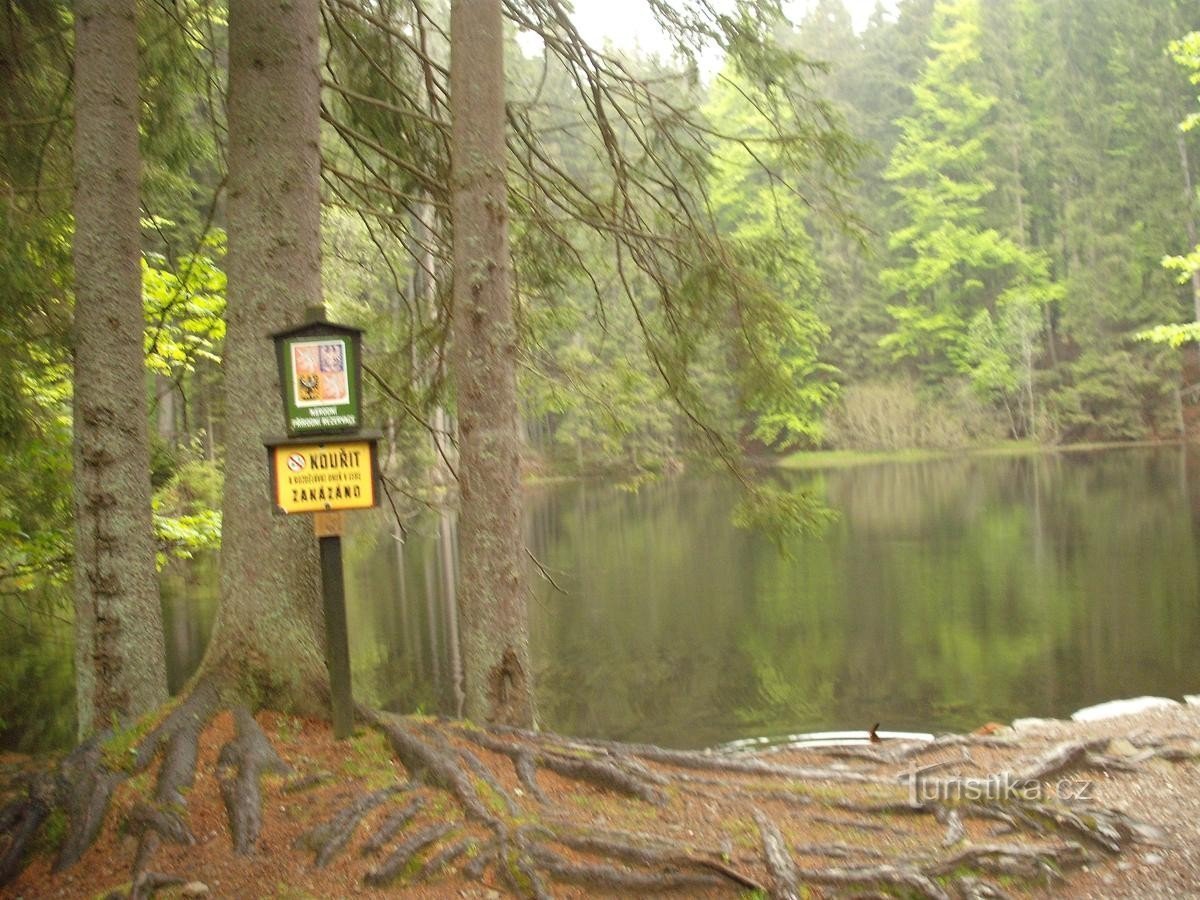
[320,368]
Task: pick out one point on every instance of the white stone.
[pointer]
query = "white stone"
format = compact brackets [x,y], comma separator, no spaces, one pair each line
[1191,699]
[1032,724]
[194,889]
[1114,708]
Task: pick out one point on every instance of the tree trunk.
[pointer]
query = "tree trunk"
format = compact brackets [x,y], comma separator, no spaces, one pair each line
[483,360]
[204,412]
[119,656]
[1190,201]
[269,631]
[164,392]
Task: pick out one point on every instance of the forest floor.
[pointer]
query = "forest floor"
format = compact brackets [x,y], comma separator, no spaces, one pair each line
[1102,809]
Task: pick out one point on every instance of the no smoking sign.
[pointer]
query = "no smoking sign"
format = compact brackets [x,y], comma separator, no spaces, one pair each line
[295,462]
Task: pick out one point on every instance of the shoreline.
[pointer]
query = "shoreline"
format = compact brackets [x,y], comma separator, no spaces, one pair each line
[1104,804]
[804,460]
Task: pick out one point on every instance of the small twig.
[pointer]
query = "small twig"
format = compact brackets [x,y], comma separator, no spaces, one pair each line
[545,574]
[387,389]
[395,512]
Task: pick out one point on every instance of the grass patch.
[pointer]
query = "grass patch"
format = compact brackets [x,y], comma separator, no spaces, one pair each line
[287,892]
[743,833]
[119,752]
[370,758]
[584,801]
[52,833]
[489,796]
[289,728]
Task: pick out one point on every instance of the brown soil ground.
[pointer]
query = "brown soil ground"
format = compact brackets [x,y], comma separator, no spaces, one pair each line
[712,816]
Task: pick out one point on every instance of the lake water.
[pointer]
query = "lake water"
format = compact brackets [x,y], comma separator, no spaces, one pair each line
[947,594]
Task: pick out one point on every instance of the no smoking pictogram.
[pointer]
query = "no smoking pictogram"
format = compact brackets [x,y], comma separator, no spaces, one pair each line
[295,462]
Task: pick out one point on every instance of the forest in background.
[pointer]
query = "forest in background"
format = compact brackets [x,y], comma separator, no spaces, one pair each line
[961,240]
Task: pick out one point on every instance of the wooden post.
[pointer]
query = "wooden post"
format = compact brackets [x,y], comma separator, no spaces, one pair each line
[328,528]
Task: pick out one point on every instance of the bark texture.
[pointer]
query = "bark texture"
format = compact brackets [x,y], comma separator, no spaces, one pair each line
[119,662]
[483,360]
[269,631]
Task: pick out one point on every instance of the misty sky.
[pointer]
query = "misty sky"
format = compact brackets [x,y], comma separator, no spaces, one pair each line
[628,23]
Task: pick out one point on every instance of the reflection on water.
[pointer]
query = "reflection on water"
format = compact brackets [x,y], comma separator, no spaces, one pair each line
[811,739]
[947,594]
[37,688]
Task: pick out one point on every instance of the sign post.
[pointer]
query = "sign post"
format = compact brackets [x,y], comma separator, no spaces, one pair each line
[328,528]
[327,464]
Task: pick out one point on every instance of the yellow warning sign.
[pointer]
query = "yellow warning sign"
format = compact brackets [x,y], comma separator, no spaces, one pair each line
[318,477]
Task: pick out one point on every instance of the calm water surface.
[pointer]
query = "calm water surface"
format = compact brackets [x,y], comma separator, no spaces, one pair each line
[947,594]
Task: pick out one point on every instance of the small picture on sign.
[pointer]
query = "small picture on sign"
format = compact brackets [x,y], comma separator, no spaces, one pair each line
[320,372]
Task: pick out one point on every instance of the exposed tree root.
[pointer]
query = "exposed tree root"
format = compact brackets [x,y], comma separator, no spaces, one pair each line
[20,821]
[507,823]
[447,855]
[621,775]
[147,883]
[907,881]
[177,738]
[779,859]
[1060,759]
[399,858]
[1021,862]
[955,830]
[85,789]
[327,840]
[252,756]
[391,826]
[525,857]
[838,851]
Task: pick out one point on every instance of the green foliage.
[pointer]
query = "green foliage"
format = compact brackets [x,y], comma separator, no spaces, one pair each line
[185,306]
[776,332]
[182,291]
[1104,398]
[681,323]
[35,475]
[187,512]
[1173,336]
[1186,52]
[781,513]
[970,296]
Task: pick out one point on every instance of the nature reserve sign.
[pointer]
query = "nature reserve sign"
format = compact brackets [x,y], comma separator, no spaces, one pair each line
[320,376]
[325,465]
[311,477]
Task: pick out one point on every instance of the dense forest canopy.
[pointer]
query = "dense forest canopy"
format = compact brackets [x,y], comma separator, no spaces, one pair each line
[963,222]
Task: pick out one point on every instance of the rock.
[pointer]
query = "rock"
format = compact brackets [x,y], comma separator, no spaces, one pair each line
[1191,699]
[1114,708]
[1122,747]
[194,889]
[1032,724]
[1152,859]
